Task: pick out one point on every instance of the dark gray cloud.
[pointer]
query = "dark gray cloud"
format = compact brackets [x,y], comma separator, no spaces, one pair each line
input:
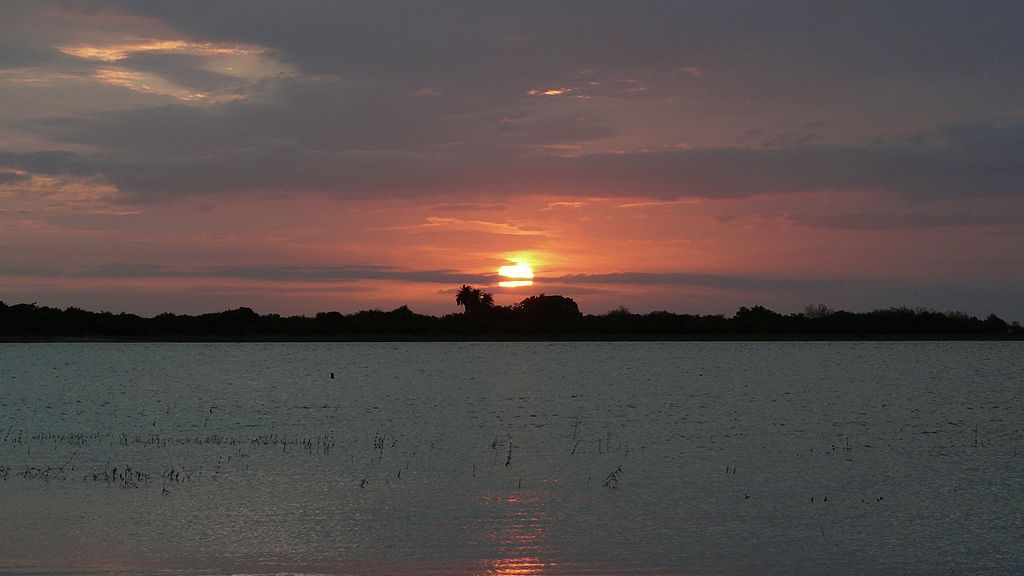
[124,271]
[51,162]
[182,69]
[903,221]
[976,160]
[28,270]
[380,272]
[573,283]
[273,273]
[419,98]
[537,129]
[722,281]
[314,113]
[953,161]
[791,294]
[15,53]
[25,42]
[892,59]
[346,273]
[488,39]
[12,177]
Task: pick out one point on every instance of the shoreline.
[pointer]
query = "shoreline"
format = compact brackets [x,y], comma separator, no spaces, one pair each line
[264,338]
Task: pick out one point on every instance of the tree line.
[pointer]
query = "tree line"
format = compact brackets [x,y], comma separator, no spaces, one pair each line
[540,316]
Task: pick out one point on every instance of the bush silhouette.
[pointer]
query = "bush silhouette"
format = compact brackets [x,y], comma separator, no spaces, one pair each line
[539,315]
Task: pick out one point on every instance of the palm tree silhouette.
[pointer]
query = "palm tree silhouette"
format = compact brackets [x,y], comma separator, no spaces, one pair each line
[468,297]
[474,299]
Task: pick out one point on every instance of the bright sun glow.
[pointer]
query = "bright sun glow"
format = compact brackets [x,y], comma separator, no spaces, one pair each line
[520,274]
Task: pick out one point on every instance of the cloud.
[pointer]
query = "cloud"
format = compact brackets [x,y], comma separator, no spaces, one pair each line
[904,221]
[313,113]
[52,162]
[507,40]
[347,273]
[691,71]
[7,177]
[183,69]
[32,270]
[476,226]
[270,273]
[471,207]
[787,292]
[654,204]
[493,54]
[346,112]
[577,284]
[563,205]
[541,129]
[722,281]
[952,161]
[23,53]
[593,85]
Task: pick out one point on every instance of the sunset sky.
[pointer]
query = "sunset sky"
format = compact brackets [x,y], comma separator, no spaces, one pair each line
[297,157]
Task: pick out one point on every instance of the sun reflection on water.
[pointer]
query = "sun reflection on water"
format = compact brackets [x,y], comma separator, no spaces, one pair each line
[517,567]
[518,532]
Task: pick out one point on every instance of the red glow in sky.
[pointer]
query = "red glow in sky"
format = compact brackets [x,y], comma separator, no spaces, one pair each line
[684,158]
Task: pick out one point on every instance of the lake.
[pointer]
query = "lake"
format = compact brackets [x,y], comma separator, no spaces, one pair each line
[612,458]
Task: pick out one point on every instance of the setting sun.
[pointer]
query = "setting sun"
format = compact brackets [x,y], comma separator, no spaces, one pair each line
[520,274]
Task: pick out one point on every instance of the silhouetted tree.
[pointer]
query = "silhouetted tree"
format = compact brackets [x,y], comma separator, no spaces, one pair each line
[817,311]
[547,313]
[467,297]
[330,322]
[474,300]
[996,325]
[757,319]
[540,315]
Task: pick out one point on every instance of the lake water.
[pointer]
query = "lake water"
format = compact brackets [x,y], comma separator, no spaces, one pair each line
[691,458]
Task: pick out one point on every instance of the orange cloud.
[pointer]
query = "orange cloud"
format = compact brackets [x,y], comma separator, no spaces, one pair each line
[447,223]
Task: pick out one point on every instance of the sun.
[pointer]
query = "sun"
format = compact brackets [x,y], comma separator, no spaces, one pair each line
[518,275]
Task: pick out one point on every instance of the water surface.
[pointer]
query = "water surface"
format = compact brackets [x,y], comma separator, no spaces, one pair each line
[513,458]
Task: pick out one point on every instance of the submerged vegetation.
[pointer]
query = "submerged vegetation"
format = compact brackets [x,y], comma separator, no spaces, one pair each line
[541,316]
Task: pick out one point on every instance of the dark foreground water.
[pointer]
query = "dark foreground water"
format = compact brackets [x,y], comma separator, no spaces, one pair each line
[512,458]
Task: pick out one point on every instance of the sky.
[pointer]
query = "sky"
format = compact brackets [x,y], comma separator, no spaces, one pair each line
[296,157]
